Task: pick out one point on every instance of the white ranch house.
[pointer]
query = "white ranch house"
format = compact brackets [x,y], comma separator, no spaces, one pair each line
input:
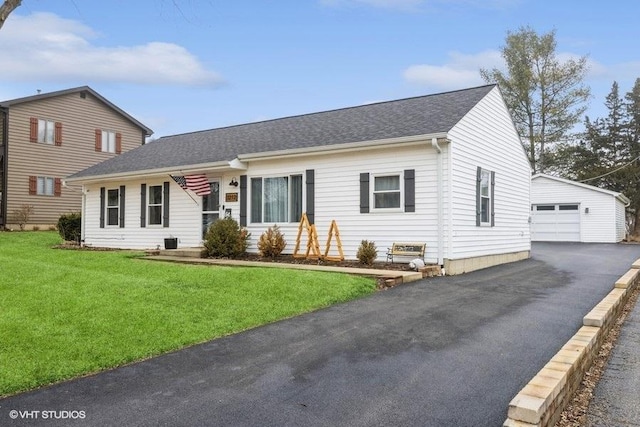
[446,169]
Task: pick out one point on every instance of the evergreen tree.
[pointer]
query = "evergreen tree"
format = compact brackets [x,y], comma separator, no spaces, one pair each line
[608,155]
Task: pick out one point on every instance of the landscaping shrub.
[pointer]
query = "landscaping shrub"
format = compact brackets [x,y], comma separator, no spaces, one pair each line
[69,226]
[367,252]
[225,238]
[21,215]
[271,243]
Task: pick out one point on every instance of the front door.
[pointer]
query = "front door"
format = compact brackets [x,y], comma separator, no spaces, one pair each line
[211,206]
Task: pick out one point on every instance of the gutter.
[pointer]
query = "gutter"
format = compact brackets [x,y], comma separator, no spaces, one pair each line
[341,148]
[186,170]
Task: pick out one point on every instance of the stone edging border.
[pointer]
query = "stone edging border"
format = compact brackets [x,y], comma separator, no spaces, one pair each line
[541,402]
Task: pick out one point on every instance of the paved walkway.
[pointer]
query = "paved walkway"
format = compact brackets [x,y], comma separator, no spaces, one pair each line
[616,400]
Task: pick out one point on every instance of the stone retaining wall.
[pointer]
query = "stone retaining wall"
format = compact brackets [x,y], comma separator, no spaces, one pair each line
[541,402]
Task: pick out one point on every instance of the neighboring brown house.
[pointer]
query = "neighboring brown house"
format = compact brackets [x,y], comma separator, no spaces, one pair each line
[46,137]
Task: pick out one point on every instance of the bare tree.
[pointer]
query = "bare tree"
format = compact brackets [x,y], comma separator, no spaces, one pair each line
[545,95]
[6,8]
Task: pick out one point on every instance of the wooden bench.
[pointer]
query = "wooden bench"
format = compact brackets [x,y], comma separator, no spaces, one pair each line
[406,250]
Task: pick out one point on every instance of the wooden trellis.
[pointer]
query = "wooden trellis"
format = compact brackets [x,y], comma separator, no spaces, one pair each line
[313,248]
[333,231]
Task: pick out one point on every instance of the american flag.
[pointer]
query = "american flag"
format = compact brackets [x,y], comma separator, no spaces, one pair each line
[199,184]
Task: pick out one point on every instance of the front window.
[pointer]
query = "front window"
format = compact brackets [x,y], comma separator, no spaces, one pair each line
[386,192]
[113,207]
[108,141]
[485,197]
[276,199]
[46,129]
[45,186]
[155,205]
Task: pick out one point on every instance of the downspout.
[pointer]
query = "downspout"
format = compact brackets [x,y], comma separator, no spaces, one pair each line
[440,184]
[4,144]
[83,216]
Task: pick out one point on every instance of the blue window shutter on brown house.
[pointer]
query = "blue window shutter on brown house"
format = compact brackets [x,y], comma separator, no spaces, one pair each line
[102,206]
[478,200]
[165,208]
[410,190]
[364,192]
[243,200]
[493,186]
[311,195]
[122,188]
[143,205]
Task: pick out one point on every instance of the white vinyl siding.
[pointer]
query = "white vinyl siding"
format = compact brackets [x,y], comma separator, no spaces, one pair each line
[486,138]
[185,223]
[601,213]
[337,196]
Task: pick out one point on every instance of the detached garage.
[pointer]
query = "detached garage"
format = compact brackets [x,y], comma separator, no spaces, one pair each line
[569,211]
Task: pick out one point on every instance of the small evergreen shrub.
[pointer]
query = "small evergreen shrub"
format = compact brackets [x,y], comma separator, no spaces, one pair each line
[69,226]
[271,243]
[367,252]
[225,238]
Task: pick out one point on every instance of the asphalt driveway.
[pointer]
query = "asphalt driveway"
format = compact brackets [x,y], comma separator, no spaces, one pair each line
[449,351]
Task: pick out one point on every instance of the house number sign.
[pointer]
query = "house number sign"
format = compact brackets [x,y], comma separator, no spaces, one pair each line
[231,197]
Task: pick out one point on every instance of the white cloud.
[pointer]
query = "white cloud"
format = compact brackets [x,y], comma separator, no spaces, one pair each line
[46,47]
[461,70]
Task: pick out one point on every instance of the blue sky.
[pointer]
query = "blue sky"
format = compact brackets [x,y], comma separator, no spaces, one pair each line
[186,65]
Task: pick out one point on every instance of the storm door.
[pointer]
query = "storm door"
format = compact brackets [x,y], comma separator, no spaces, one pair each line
[211,206]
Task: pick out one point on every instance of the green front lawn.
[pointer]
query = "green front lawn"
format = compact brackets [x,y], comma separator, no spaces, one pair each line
[64,313]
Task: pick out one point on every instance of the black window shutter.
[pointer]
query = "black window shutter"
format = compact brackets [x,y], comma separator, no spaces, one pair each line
[143,205]
[102,206]
[478,201]
[243,200]
[364,192]
[311,195]
[410,190]
[493,202]
[122,206]
[165,207]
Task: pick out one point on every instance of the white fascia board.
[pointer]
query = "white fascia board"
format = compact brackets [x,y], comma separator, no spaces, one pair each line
[150,173]
[340,148]
[620,196]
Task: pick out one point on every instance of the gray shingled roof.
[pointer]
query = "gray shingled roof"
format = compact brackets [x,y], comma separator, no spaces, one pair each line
[422,115]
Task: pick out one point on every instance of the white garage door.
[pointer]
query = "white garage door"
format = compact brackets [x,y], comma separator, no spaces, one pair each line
[555,223]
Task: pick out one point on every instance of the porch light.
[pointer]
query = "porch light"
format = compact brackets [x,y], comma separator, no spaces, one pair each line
[234,182]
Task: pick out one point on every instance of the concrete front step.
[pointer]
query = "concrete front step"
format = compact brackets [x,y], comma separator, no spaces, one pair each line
[182,252]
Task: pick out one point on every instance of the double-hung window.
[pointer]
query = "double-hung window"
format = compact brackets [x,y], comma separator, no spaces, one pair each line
[108,141]
[46,131]
[276,199]
[45,186]
[386,192]
[155,204]
[113,207]
[485,184]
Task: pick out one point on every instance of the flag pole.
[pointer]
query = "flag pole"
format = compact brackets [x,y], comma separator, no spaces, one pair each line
[185,190]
